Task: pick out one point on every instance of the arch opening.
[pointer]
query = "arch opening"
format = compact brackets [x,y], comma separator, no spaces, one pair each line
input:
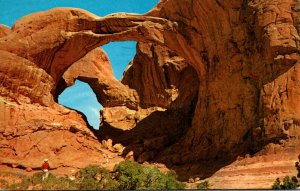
[81,97]
[120,55]
[90,83]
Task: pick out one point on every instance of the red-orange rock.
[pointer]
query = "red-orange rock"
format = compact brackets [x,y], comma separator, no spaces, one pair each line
[23,82]
[95,69]
[150,129]
[29,133]
[169,84]
[4,30]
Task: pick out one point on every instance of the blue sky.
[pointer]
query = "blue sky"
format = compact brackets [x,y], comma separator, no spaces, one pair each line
[80,96]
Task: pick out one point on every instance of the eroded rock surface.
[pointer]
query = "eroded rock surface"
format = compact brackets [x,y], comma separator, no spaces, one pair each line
[161,78]
[4,30]
[95,69]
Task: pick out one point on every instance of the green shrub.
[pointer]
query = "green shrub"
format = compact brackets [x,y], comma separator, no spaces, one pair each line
[276,185]
[151,179]
[94,177]
[133,176]
[22,185]
[91,171]
[50,183]
[36,178]
[172,183]
[287,183]
[89,184]
[58,183]
[13,178]
[128,175]
[111,185]
[203,185]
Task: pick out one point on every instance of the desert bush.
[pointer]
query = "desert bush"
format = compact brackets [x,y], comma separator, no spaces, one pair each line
[203,185]
[51,183]
[58,183]
[151,178]
[36,178]
[94,177]
[8,178]
[89,184]
[287,183]
[133,176]
[276,185]
[128,175]
[15,179]
[171,182]
[23,185]
[91,171]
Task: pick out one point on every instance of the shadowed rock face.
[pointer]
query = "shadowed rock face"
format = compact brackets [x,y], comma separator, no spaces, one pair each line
[160,77]
[167,87]
[242,71]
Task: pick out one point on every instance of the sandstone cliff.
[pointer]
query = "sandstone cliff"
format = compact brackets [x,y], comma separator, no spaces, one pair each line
[167,87]
[33,126]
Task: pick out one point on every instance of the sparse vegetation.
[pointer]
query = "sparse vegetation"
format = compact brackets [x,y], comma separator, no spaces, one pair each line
[203,185]
[9,178]
[133,176]
[288,183]
[94,177]
[128,175]
[51,183]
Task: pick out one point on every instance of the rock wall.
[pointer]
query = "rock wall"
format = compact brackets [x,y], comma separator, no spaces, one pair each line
[167,87]
[33,126]
[160,77]
[236,49]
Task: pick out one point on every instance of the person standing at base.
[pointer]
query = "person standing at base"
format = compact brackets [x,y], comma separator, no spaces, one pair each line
[45,169]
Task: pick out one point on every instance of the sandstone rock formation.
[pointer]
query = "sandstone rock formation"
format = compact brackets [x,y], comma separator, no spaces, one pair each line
[33,126]
[223,74]
[161,78]
[95,69]
[241,49]
[4,30]
[33,86]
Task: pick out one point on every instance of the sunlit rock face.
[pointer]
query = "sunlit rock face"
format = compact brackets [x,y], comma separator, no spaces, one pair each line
[211,79]
[33,126]
[95,69]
